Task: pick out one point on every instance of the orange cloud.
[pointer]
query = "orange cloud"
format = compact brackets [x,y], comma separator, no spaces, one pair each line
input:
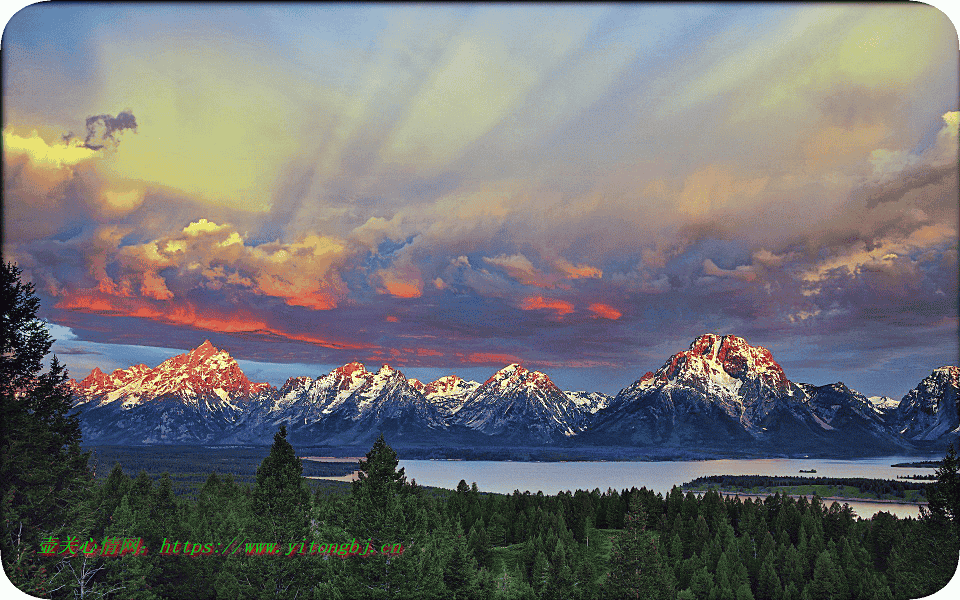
[402,289]
[155,287]
[428,352]
[392,319]
[560,307]
[577,271]
[604,311]
[186,314]
[488,358]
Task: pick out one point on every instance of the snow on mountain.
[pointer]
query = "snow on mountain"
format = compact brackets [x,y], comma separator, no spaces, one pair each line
[725,371]
[930,410]
[837,407]
[591,402]
[348,405]
[98,383]
[883,404]
[521,404]
[724,393]
[448,393]
[720,393]
[191,397]
[192,377]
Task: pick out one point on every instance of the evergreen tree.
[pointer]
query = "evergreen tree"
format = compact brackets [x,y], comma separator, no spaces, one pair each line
[827,581]
[701,583]
[280,504]
[45,485]
[944,495]
[638,568]
[768,583]
[133,572]
[460,570]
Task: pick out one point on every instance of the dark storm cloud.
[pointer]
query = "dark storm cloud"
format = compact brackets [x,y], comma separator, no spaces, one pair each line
[912,178]
[101,128]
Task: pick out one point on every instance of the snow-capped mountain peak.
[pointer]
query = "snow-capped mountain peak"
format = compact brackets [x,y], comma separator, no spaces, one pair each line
[932,409]
[204,371]
[516,399]
[883,403]
[98,383]
[716,362]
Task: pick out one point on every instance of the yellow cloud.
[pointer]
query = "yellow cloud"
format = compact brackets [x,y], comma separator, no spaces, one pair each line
[712,188]
[43,154]
[122,201]
[202,226]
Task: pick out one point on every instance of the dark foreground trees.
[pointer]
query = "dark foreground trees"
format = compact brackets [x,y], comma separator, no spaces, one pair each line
[44,481]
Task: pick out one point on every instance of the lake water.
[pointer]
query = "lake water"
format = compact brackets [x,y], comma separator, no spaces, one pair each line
[554,477]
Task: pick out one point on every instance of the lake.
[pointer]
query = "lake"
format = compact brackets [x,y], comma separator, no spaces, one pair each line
[554,477]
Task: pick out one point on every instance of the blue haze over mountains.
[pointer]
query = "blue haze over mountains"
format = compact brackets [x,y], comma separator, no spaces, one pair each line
[720,397]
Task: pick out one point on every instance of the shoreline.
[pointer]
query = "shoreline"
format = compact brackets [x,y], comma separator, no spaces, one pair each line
[332,459]
[826,499]
[347,478]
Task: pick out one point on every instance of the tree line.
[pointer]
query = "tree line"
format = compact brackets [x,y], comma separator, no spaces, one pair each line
[880,487]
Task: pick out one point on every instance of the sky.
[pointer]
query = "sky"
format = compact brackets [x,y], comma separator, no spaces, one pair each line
[583,189]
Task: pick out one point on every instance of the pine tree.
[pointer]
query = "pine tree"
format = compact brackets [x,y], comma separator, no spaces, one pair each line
[827,582]
[375,496]
[768,583]
[45,484]
[638,568]
[460,570]
[280,504]
[944,495]
[280,498]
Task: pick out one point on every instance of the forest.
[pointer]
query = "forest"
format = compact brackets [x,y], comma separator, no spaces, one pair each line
[68,534]
[468,544]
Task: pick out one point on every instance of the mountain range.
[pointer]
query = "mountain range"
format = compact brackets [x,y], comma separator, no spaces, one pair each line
[721,395]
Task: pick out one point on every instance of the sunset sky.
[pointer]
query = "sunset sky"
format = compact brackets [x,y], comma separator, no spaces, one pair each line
[448,189]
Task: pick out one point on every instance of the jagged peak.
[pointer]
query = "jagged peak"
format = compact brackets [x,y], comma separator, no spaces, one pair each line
[947,371]
[505,373]
[722,357]
[350,368]
[204,351]
[514,375]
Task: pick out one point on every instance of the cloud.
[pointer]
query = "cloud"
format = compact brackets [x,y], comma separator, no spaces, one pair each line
[202,226]
[521,269]
[188,314]
[558,307]
[605,311]
[578,271]
[42,154]
[100,128]
[713,188]
[744,272]
[899,172]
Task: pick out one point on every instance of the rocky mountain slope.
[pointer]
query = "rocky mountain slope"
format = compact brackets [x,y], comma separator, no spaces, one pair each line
[931,410]
[721,394]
